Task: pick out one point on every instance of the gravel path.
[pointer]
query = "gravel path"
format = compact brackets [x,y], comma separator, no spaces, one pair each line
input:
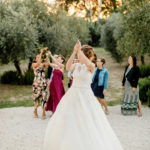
[20,131]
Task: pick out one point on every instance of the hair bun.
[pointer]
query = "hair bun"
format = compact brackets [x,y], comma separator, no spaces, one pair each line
[88,51]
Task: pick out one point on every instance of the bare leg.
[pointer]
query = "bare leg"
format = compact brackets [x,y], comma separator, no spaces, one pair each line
[44,98]
[36,100]
[139,109]
[43,109]
[35,109]
[103,103]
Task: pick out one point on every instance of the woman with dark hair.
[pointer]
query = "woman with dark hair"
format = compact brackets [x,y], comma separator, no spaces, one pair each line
[99,82]
[130,87]
[56,86]
[79,122]
[95,59]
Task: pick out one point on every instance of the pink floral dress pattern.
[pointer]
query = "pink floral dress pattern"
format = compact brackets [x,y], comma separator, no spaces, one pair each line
[40,85]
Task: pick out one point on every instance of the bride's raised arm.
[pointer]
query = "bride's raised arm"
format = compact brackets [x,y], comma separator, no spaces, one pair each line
[69,66]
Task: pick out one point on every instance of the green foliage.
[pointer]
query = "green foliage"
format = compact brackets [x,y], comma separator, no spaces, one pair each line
[18,36]
[95,33]
[144,71]
[130,5]
[9,77]
[60,40]
[79,27]
[26,25]
[144,85]
[135,40]
[128,33]
[63,33]
[111,31]
[27,78]
[148,95]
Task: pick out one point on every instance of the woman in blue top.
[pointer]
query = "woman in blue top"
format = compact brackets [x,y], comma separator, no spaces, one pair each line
[99,82]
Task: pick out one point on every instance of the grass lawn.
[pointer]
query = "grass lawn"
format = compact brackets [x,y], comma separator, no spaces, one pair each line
[15,95]
[99,50]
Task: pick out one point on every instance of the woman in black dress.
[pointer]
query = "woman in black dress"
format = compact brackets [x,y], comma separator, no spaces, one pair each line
[130,87]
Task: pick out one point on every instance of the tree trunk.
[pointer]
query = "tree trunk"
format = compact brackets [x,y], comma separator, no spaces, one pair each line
[90,11]
[114,4]
[142,60]
[30,63]
[17,65]
[99,11]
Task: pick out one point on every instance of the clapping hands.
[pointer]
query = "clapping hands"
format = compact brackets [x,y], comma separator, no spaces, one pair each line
[77,47]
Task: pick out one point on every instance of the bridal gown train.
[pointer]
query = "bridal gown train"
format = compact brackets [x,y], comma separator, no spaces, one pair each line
[79,122]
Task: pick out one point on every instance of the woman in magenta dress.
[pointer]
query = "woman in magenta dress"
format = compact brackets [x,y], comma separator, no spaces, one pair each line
[56,87]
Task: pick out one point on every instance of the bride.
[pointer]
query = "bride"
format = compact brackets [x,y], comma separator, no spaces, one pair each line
[79,122]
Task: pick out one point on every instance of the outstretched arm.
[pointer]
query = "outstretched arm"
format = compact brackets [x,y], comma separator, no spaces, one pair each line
[48,63]
[55,61]
[69,66]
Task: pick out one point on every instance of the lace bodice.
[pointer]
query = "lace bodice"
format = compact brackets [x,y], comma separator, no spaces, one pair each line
[82,77]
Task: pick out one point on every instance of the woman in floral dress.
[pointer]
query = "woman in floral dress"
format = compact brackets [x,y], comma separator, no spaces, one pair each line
[39,83]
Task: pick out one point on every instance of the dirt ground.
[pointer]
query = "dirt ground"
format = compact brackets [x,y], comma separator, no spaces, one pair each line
[19,130]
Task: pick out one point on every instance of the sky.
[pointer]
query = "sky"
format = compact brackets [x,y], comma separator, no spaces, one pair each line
[50,1]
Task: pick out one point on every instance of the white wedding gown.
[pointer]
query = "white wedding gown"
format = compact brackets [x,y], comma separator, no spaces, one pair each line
[79,122]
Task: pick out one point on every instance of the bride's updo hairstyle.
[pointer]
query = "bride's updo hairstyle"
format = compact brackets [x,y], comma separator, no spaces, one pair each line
[88,51]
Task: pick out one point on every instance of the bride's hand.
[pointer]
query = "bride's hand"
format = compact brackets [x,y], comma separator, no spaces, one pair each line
[77,47]
[49,52]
